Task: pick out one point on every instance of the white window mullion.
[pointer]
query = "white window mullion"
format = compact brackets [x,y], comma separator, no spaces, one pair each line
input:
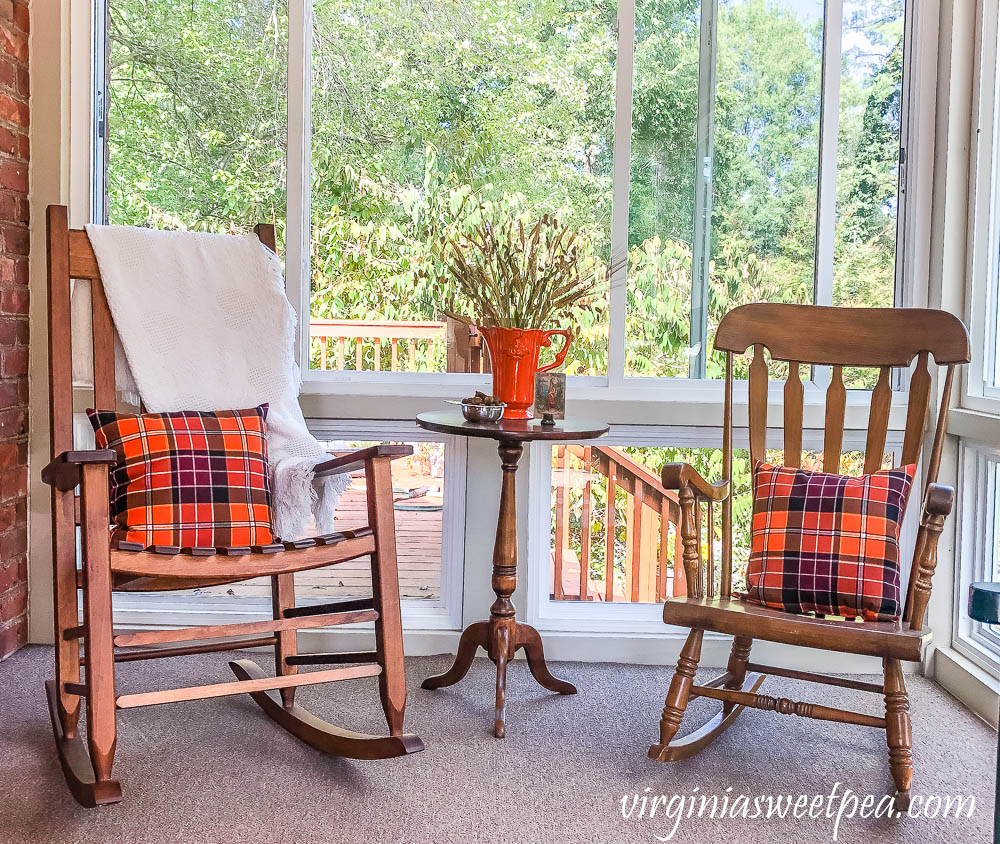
[620,192]
[297,216]
[701,249]
[829,120]
[983,298]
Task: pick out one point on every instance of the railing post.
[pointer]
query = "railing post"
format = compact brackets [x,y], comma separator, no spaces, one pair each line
[585,529]
[609,535]
[680,579]
[561,507]
[661,581]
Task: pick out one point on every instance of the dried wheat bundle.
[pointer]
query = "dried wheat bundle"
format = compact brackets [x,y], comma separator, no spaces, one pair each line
[514,278]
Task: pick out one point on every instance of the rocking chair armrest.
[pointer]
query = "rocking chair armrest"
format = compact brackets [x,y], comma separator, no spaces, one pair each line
[939,500]
[354,460]
[679,475]
[63,472]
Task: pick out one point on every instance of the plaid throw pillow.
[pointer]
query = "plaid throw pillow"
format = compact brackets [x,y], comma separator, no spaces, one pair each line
[827,543]
[188,479]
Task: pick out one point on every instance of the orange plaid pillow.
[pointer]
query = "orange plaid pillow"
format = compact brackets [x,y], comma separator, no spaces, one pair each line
[188,479]
[827,543]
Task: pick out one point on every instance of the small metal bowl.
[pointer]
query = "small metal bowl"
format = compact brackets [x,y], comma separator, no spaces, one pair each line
[482,412]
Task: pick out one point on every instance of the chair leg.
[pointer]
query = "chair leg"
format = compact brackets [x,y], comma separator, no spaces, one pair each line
[66,614]
[680,687]
[385,590]
[283,598]
[739,656]
[102,731]
[898,733]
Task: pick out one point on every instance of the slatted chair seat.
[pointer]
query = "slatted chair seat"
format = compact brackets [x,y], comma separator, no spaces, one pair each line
[89,677]
[838,338]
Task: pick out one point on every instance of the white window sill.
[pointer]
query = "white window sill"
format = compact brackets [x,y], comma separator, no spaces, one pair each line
[977,689]
[674,401]
[975,425]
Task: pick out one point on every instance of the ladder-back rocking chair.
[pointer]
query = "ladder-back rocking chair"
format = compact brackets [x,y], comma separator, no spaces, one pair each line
[105,569]
[836,337]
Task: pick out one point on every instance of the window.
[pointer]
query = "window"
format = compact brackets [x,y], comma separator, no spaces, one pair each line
[594,566]
[196,116]
[709,153]
[418,491]
[979,551]
[978,509]
[630,551]
[983,305]
[426,117]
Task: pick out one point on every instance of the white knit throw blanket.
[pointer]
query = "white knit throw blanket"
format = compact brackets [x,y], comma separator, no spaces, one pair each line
[204,324]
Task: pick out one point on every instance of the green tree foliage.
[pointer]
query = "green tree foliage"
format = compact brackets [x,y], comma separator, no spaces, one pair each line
[197,129]
[428,115]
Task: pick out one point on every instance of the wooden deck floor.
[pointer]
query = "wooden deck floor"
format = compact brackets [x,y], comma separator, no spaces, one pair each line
[418,549]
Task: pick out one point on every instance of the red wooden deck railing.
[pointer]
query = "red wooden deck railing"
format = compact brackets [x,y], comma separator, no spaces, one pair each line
[653,568]
[411,345]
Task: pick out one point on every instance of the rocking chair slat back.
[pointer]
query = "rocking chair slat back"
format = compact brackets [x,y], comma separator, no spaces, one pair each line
[916,412]
[878,422]
[758,404]
[833,432]
[793,417]
[104,348]
[726,577]
[836,337]
[814,334]
[72,257]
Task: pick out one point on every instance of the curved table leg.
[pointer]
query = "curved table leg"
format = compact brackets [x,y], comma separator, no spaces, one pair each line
[528,638]
[500,712]
[475,636]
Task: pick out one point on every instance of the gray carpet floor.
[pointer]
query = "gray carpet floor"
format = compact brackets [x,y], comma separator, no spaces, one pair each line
[220,770]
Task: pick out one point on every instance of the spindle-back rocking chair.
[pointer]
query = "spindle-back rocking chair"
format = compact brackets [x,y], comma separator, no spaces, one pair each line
[819,336]
[87,767]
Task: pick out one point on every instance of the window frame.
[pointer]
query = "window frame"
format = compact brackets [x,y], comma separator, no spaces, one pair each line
[918,23]
[982,308]
[648,404]
[615,381]
[979,490]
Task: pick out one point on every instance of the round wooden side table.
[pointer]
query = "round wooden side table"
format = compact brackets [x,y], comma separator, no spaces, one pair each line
[503,634]
[984,607]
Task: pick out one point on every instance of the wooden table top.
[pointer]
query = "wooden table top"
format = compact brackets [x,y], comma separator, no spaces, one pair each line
[519,430]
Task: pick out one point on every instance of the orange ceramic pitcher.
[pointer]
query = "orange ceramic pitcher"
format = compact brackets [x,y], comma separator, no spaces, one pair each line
[514,356]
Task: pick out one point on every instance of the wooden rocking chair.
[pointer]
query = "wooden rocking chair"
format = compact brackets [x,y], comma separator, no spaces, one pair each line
[106,569]
[838,337]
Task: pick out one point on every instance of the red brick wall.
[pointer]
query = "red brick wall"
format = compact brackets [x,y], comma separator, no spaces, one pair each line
[13,324]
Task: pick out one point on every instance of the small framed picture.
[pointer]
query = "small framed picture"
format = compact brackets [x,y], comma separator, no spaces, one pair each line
[550,395]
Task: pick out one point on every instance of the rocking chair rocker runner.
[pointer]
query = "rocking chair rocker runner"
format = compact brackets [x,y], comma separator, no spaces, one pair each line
[836,337]
[105,569]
